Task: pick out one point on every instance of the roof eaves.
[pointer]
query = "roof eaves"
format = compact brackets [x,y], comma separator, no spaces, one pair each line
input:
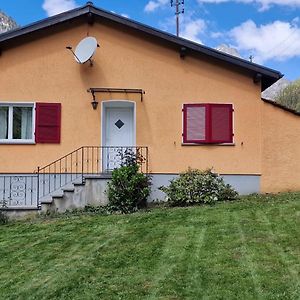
[271,75]
[48,22]
[281,106]
[188,44]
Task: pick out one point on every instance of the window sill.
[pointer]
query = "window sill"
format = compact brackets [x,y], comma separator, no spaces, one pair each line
[17,142]
[207,144]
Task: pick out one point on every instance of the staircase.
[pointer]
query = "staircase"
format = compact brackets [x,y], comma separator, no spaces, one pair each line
[80,178]
[72,181]
[90,191]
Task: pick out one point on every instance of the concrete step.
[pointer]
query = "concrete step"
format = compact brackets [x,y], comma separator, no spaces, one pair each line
[46,199]
[58,197]
[90,191]
[79,184]
[69,189]
[77,180]
[57,194]
[98,176]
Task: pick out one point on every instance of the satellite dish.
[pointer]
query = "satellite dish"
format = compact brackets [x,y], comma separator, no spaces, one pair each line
[85,50]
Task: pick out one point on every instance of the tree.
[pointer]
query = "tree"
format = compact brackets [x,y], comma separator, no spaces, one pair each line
[290,96]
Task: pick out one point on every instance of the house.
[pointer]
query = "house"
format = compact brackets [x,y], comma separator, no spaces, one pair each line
[176,102]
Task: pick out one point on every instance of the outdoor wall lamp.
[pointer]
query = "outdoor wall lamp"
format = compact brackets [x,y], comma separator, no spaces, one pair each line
[94,102]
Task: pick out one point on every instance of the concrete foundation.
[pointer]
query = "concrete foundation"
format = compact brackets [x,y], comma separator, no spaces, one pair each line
[243,184]
[93,192]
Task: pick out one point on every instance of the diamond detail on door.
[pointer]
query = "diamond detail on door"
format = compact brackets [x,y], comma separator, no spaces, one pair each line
[119,124]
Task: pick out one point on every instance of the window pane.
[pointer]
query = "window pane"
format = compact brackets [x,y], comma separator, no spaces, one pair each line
[22,123]
[195,116]
[3,122]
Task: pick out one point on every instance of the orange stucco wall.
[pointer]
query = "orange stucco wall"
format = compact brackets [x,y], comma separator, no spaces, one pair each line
[44,71]
[281,150]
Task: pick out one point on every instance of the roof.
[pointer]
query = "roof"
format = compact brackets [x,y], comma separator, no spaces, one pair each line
[89,13]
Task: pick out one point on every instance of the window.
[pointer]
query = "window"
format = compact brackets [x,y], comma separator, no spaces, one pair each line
[207,123]
[29,123]
[16,123]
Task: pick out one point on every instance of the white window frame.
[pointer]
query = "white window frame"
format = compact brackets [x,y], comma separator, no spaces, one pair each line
[10,139]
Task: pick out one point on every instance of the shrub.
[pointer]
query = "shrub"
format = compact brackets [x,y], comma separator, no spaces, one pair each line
[3,218]
[196,187]
[290,96]
[128,189]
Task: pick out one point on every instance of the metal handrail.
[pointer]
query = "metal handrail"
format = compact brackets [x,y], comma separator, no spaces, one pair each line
[27,190]
[85,160]
[59,159]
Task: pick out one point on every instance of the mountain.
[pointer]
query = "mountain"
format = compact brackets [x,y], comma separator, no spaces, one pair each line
[271,92]
[229,50]
[6,23]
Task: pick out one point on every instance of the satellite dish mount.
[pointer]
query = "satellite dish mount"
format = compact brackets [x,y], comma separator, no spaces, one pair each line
[85,50]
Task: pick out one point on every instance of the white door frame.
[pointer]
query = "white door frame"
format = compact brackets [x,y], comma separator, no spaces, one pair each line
[118,104]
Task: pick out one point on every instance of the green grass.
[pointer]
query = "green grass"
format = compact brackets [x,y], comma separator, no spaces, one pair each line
[248,249]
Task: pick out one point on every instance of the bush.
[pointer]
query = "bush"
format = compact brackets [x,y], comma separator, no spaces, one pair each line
[129,189]
[196,187]
[290,96]
[3,218]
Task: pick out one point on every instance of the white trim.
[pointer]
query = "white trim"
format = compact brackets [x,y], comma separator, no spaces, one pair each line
[117,103]
[33,122]
[16,142]
[10,139]
[6,103]
[10,123]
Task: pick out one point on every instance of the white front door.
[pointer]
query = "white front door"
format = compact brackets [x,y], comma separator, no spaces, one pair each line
[118,132]
[119,126]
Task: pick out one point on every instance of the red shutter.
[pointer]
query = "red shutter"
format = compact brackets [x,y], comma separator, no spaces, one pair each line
[48,122]
[194,123]
[221,123]
[207,123]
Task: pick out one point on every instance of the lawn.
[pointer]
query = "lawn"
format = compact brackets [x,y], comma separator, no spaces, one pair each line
[248,249]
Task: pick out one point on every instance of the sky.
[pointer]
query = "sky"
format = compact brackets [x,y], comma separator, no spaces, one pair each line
[268,30]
